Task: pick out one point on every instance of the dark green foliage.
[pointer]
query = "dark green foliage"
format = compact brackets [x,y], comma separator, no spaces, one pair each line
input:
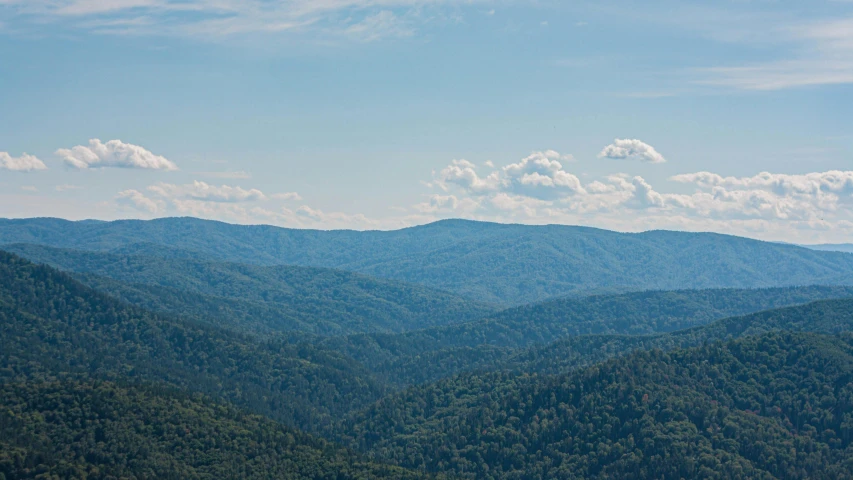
[261,299]
[429,354]
[101,430]
[509,264]
[828,316]
[778,405]
[51,324]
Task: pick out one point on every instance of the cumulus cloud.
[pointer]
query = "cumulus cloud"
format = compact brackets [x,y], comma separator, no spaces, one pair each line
[24,163]
[538,189]
[114,153]
[539,169]
[464,174]
[137,200]
[835,181]
[624,148]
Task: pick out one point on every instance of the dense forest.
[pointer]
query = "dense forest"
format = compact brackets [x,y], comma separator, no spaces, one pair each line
[779,405]
[52,325]
[433,353]
[493,263]
[85,428]
[264,299]
[143,358]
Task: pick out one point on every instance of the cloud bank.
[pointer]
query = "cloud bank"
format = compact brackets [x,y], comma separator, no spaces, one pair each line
[538,189]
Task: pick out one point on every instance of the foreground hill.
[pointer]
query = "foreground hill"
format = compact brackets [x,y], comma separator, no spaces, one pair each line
[83,428]
[52,326]
[429,354]
[276,299]
[772,406]
[509,264]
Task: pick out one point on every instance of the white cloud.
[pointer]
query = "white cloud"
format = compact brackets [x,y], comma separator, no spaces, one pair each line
[205,192]
[464,173]
[24,163]
[288,196]
[631,149]
[66,187]
[823,56]
[239,175]
[137,200]
[763,204]
[114,153]
[29,188]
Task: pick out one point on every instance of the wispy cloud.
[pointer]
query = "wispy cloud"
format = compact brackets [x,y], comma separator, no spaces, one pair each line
[362,19]
[823,55]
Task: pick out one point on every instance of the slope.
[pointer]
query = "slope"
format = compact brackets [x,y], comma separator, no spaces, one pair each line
[507,264]
[429,354]
[279,299]
[83,428]
[772,406]
[52,325]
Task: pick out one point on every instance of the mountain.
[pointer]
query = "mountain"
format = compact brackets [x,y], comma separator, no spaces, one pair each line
[772,406]
[429,354]
[825,317]
[85,428]
[493,263]
[53,326]
[258,298]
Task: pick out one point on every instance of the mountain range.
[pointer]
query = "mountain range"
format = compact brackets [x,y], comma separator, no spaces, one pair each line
[485,262]
[183,348]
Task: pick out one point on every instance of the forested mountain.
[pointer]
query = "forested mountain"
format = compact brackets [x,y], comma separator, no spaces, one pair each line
[433,353]
[259,298]
[509,264]
[826,317]
[85,428]
[51,326]
[772,406]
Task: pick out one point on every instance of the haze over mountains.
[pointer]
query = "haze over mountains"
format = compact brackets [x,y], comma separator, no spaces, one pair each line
[486,262]
[830,247]
[198,349]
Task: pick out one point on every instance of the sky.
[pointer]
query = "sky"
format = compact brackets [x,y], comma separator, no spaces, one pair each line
[733,116]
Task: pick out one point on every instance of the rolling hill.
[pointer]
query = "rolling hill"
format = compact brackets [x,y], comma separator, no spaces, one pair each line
[259,298]
[86,428]
[493,263]
[771,406]
[430,354]
[53,326]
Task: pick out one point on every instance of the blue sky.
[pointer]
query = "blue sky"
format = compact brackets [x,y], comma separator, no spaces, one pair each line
[729,116]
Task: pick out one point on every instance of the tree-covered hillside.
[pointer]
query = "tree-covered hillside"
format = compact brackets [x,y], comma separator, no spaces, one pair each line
[429,354]
[267,299]
[52,325]
[85,428]
[508,264]
[778,405]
